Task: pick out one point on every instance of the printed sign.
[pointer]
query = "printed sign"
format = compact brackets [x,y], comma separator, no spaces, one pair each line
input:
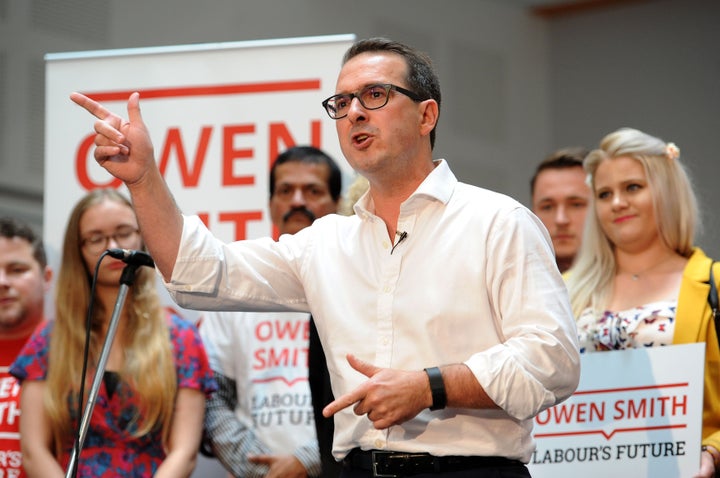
[635,413]
[218,115]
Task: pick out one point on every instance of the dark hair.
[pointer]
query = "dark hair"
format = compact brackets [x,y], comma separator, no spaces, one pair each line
[561,159]
[421,77]
[311,155]
[11,227]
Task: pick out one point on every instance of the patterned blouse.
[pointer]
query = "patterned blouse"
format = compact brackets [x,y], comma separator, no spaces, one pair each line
[110,449]
[649,325]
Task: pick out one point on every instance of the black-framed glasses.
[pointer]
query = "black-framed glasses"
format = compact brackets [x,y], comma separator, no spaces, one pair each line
[371,97]
[124,236]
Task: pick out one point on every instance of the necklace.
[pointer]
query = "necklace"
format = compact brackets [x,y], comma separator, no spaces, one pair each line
[637,275]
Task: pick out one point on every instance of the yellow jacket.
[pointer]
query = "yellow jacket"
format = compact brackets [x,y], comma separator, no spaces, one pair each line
[694,323]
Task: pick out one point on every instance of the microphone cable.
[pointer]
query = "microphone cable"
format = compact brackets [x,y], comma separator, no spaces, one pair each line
[86,357]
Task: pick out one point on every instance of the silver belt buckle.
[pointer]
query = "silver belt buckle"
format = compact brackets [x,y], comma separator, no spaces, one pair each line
[374,464]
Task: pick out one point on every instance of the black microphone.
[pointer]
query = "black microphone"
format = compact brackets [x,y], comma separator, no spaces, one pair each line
[403,235]
[129,256]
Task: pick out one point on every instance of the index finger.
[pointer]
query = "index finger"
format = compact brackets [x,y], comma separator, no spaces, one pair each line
[92,106]
[344,401]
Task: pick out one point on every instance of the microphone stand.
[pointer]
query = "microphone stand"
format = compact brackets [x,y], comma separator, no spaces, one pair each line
[126,280]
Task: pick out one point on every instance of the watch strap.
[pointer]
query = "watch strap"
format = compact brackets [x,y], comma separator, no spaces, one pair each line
[437,388]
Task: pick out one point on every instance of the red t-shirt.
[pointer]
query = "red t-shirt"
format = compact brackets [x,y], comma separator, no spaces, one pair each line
[10,458]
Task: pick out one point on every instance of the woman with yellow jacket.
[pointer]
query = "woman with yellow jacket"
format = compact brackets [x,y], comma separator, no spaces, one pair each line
[638,280]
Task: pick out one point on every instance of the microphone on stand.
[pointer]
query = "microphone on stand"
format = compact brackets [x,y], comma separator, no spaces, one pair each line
[129,256]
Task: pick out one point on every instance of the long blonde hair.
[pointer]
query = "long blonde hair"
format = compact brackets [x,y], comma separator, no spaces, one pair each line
[676,210]
[148,363]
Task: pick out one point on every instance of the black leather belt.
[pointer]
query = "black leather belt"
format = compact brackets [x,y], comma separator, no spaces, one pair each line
[394,464]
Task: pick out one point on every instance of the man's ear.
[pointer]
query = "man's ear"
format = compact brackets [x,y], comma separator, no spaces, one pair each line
[430,114]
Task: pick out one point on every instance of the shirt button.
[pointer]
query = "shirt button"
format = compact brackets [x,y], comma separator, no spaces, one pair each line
[385,244]
[379,444]
[385,340]
[387,289]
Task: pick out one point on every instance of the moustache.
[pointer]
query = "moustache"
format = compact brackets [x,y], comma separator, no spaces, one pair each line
[301,210]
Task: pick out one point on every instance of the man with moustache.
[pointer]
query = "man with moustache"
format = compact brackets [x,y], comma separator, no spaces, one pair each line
[260,422]
[24,279]
[560,198]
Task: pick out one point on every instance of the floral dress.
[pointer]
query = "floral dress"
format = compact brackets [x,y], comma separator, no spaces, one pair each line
[649,325]
[110,450]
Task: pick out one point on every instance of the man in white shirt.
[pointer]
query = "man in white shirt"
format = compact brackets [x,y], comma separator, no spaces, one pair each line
[260,421]
[445,321]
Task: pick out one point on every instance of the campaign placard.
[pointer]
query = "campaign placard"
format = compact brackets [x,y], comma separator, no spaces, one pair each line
[635,413]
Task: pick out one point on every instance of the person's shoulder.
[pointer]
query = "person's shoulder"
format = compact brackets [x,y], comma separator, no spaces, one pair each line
[699,255]
[40,336]
[698,266]
[32,358]
[184,334]
[178,324]
[43,330]
[496,212]
[482,192]
[488,198]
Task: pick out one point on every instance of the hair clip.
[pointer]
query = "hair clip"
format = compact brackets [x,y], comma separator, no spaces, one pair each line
[672,151]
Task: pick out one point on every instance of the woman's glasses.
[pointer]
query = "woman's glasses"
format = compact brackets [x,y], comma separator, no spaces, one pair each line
[124,236]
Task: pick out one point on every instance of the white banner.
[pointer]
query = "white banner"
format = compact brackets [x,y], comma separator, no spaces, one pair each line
[218,114]
[636,413]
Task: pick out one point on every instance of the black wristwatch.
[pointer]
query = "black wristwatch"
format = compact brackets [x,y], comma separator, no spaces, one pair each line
[437,388]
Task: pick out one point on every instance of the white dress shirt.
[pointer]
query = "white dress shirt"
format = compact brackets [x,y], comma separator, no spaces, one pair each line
[473,282]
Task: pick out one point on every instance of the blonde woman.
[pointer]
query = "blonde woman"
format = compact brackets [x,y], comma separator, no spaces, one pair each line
[148,417]
[638,280]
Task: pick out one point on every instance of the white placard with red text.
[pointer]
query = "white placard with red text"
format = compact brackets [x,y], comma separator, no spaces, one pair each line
[217,114]
[636,413]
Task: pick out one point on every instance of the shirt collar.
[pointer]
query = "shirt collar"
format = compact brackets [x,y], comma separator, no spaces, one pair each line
[438,185]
